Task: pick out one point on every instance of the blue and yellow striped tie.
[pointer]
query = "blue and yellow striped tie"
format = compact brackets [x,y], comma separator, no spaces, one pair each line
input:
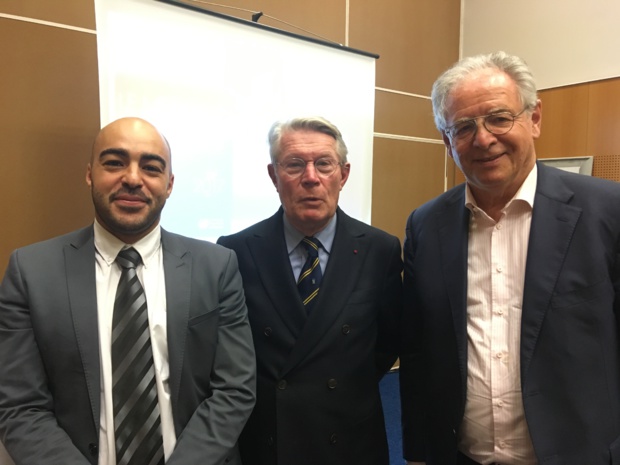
[310,278]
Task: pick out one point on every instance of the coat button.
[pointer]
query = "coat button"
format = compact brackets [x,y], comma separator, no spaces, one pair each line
[267,331]
[333,439]
[332,383]
[282,384]
[346,329]
[93,449]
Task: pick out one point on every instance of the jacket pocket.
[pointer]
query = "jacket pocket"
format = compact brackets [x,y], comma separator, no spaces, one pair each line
[203,317]
[580,295]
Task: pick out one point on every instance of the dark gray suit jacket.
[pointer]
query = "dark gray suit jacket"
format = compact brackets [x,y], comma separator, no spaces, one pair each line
[49,352]
[318,398]
[570,333]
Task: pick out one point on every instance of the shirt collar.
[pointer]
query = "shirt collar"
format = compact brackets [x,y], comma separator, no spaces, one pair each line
[108,245]
[326,235]
[526,192]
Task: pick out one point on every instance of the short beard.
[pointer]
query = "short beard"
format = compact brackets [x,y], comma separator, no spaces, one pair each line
[119,227]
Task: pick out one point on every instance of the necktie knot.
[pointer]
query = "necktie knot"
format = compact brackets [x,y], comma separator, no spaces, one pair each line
[312,245]
[129,258]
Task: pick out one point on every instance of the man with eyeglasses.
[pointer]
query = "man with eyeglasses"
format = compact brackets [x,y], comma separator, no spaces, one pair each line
[511,351]
[320,354]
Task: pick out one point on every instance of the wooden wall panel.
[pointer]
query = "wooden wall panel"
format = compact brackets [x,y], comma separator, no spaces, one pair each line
[325,18]
[606,167]
[604,118]
[583,120]
[404,115]
[50,115]
[564,122]
[416,40]
[405,175]
[78,13]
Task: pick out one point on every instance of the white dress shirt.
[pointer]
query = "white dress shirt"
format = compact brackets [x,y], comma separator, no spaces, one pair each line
[494,427]
[151,275]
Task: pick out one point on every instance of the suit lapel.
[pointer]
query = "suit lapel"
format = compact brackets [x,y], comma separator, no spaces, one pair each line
[553,225]
[268,249]
[81,283]
[453,230]
[349,251]
[177,272]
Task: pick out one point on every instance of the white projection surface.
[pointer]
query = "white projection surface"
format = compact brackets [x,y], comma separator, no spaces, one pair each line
[214,87]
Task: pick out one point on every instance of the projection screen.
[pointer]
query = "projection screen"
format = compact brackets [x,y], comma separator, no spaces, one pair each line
[214,87]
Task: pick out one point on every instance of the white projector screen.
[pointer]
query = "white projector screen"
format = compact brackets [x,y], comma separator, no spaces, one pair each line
[214,87]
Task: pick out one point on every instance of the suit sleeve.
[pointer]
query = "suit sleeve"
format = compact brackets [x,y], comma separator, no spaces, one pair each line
[390,312]
[215,426]
[616,283]
[411,370]
[28,427]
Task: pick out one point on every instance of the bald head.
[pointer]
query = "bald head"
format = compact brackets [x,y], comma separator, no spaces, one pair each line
[132,128]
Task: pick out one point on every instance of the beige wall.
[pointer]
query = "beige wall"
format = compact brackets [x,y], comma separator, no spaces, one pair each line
[565,42]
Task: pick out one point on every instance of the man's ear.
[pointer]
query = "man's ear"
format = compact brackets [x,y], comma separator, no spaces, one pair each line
[170,185]
[272,174]
[345,170]
[447,143]
[536,118]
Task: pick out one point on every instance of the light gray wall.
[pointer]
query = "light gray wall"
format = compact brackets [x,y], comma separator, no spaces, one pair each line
[564,41]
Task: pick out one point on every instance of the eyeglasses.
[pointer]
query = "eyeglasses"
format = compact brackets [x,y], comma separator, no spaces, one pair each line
[496,123]
[295,167]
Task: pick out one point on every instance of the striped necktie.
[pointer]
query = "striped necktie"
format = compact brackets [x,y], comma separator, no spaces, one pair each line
[310,276]
[137,426]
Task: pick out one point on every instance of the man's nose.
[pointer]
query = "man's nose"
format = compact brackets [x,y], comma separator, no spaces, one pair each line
[483,137]
[310,174]
[132,176]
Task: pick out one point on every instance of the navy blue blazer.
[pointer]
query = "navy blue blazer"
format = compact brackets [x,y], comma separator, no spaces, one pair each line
[318,397]
[570,336]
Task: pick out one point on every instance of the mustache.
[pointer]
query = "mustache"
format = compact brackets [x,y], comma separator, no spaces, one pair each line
[132,192]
